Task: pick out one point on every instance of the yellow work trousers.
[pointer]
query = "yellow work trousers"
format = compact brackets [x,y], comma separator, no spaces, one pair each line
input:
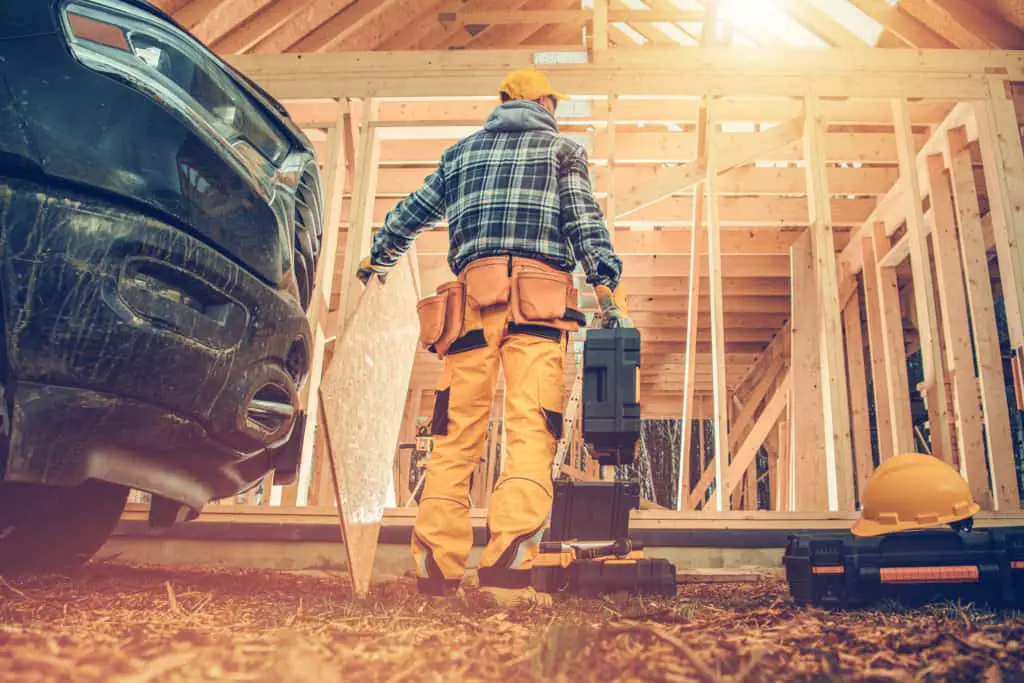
[532,360]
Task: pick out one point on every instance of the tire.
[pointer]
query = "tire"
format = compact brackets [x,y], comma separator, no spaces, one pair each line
[56,529]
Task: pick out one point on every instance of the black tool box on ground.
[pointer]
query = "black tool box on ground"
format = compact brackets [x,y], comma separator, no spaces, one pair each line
[983,566]
[584,517]
[592,510]
[611,402]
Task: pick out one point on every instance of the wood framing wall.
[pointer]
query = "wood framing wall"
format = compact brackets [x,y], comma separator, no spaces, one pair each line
[794,229]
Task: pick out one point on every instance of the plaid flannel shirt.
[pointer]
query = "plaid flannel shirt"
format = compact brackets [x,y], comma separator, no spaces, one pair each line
[515,187]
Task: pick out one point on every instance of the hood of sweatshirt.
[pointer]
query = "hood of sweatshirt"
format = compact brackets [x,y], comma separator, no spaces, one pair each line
[521,115]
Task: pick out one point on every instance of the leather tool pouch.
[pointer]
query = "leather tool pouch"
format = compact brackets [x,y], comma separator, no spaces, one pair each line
[542,296]
[441,317]
[487,281]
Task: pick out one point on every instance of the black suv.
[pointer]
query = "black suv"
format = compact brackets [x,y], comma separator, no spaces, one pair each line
[160,222]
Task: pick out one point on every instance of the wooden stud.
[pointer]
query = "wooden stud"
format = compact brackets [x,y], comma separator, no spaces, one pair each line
[358,238]
[783,468]
[934,385]
[807,416]
[600,27]
[876,343]
[335,166]
[835,398]
[894,350]
[975,270]
[714,238]
[1003,159]
[859,417]
[698,242]
[956,334]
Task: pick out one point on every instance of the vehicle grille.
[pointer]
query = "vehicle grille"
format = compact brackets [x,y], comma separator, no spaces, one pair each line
[309,216]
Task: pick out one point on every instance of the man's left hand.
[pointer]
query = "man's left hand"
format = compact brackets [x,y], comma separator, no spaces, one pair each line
[368,269]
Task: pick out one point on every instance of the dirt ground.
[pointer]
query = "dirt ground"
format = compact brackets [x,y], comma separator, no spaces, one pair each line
[139,624]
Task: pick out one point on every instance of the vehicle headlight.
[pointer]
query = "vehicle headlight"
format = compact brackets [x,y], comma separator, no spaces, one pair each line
[169,66]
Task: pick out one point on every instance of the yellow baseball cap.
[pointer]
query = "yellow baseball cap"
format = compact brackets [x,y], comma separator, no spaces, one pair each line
[528,84]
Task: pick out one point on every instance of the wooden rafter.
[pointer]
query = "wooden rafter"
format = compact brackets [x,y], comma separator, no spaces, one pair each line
[301,24]
[815,20]
[965,24]
[343,25]
[907,28]
[258,27]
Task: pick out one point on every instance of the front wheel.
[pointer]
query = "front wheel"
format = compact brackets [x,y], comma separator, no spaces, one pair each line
[55,528]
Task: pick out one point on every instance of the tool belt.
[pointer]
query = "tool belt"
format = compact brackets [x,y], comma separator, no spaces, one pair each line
[537,294]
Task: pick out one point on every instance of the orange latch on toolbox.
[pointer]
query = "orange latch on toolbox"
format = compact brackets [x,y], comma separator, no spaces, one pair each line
[964,574]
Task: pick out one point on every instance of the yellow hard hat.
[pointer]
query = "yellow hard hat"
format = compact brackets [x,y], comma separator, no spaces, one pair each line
[913,491]
[528,84]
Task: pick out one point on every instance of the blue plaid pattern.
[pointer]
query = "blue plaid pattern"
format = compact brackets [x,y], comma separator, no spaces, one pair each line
[515,187]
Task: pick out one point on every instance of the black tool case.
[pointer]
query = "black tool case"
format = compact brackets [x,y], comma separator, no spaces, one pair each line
[592,510]
[651,576]
[984,566]
[599,511]
[611,401]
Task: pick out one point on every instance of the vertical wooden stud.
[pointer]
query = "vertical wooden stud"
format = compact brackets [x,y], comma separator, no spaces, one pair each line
[835,402]
[720,412]
[860,419]
[807,446]
[974,262]
[894,349]
[600,27]
[698,245]
[934,385]
[956,333]
[360,226]
[876,344]
[335,170]
[1003,160]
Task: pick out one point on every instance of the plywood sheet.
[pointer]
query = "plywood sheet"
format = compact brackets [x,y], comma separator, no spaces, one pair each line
[362,395]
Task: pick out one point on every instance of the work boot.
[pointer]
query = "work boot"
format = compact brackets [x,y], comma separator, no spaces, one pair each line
[514,597]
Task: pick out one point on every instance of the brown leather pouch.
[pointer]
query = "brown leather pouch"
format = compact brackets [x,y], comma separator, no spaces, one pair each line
[542,295]
[442,316]
[487,281]
[538,296]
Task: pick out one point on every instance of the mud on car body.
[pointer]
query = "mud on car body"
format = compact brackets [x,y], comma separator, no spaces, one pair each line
[160,223]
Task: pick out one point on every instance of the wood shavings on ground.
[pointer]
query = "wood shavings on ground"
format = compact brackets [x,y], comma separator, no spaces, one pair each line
[129,624]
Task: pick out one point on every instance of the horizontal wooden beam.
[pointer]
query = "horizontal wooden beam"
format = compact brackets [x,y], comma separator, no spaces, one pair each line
[733,211]
[577,16]
[731,153]
[398,181]
[648,71]
[322,113]
[657,147]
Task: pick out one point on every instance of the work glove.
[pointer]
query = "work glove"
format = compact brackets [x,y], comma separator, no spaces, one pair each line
[368,269]
[613,307]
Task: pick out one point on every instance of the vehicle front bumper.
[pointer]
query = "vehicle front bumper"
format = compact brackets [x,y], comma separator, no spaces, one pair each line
[134,353]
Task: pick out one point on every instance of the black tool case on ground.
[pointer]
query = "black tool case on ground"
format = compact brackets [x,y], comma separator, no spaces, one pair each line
[592,510]
[984,566]
[611,402]
[652,576]
[599,511]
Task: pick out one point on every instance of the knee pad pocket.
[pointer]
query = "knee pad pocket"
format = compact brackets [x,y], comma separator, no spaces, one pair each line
[439,420]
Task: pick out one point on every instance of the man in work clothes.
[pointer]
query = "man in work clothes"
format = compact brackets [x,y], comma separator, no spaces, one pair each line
[521,213]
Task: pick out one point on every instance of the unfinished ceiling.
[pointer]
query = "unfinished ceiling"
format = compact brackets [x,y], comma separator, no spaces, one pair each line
[762,204]
[274,26]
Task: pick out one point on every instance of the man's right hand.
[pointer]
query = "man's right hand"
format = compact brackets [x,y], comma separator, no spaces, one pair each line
[613,307]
